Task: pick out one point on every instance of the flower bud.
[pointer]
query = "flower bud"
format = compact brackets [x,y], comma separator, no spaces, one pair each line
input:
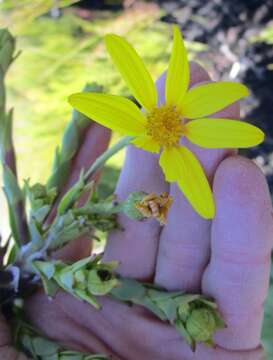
[129,206]
[100,281]
[201,324]
[140,205]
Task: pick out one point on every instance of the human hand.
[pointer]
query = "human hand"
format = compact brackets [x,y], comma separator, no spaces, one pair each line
[228,258]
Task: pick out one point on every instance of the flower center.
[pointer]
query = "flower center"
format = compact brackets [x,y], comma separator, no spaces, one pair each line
[164,125]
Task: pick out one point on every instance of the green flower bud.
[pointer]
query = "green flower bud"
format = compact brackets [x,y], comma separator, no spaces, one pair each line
[100,282]
[129,206]
[38,191]
[183,311]
[201,324]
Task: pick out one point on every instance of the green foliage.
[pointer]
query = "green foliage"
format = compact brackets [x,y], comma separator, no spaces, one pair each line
[195,317]
[265,35]
[84,279]
[40,348]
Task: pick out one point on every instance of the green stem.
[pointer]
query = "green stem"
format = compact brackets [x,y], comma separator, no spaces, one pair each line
[100,161]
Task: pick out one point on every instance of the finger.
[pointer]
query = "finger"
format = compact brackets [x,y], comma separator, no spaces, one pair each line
[7,352]
[95,141]
[184,243]
[204,352]
[68,329]
[136,247]
[238,273]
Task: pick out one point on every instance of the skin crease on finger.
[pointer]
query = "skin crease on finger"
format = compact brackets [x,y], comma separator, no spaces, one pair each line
[131,333]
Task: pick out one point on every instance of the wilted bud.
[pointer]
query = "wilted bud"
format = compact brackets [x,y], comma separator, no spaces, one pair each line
[141,205]
[201,325]
[7,47]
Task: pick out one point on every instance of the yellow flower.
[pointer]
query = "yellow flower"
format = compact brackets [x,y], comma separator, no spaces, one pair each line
[159,128]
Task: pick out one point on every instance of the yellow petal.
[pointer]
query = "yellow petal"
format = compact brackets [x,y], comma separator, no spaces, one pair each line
[209,98]
[115,112]
[170,163]
[223,133]
[178,74]
[146,143]
[180,165]
[132,70]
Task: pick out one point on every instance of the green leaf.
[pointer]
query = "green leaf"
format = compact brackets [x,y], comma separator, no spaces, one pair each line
[83,295]
[50,286]
[7,49]
[129,290]
[169,308]
[15,200]
[47,268]
[153,307]
[43,347]
[35,235]
[66,279]
[71,195]
[184,333]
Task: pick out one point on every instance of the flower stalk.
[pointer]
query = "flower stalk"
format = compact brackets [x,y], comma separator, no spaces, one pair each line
[14,195]
[101,160]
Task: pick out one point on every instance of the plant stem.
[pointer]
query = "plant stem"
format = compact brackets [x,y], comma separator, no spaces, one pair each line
[14,194]
[100,161]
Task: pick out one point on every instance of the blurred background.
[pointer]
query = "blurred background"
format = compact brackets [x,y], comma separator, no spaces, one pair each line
[62,49]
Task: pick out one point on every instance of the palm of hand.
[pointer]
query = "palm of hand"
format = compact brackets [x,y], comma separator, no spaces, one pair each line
[228,259]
